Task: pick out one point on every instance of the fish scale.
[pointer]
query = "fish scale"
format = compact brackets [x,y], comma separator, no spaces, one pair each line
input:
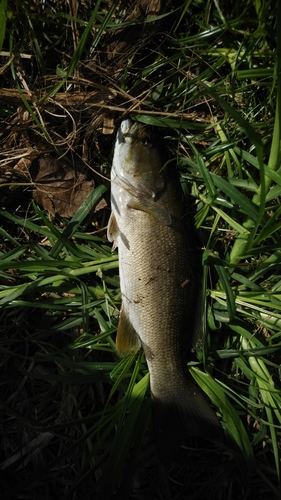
[160,284]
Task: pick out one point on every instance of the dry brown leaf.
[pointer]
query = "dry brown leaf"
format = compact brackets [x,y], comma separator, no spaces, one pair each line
[60,188]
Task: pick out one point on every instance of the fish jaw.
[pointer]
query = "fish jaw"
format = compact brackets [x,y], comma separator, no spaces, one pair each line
[123,129]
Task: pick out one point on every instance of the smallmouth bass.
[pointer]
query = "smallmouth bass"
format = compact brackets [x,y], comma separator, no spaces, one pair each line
[160,284]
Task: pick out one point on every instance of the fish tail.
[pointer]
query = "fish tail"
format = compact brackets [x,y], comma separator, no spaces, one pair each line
[187,414]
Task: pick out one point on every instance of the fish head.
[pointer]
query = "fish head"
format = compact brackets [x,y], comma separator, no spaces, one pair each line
[137,162]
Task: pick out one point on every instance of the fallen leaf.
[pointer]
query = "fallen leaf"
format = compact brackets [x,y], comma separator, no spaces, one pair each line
[60,187]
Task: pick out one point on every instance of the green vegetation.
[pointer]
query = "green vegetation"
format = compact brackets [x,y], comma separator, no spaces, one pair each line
[75,416]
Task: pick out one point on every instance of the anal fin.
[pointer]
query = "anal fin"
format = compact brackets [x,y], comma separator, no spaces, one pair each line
[127,339]
[112,230]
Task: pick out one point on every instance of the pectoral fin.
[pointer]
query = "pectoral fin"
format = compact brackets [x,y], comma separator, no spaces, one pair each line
[112,230]
[151,208]
[127,340]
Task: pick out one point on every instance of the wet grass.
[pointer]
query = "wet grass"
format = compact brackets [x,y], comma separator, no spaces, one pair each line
[75,417]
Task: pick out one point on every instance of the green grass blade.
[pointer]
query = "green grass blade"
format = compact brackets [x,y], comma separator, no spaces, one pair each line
[3,20]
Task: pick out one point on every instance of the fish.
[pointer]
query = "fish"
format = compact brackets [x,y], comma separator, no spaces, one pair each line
[160,282]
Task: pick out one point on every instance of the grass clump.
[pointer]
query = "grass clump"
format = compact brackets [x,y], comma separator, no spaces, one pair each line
[74,415]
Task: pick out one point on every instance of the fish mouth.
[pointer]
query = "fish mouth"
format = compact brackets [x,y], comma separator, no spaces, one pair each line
[123,131]
[131,133]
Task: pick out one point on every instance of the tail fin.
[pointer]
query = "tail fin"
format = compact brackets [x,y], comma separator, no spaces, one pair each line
[186,414]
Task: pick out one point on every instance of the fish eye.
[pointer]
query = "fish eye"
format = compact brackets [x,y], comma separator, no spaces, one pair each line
[148,142]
